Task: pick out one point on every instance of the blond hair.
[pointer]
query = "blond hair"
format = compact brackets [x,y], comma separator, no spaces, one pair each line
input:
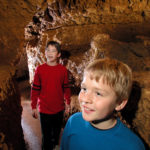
[115,73]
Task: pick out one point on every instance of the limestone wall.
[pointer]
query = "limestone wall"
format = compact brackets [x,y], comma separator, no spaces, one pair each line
[14,16]
[11,134]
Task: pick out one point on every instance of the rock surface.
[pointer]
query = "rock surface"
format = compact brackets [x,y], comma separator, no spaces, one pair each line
[11,134]
[14,16]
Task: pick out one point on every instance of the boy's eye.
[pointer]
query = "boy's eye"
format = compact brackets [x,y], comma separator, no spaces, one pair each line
[53,50]
[98,94]
[83,88]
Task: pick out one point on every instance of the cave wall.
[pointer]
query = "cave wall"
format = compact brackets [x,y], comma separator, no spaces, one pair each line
[85,29]
[14,16]
[11,134]
[75,23]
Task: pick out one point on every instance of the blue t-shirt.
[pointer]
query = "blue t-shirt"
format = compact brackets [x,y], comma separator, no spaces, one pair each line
[81,135]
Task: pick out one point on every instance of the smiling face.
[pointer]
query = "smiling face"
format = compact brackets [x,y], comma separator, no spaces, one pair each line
[97,99]
[52,55]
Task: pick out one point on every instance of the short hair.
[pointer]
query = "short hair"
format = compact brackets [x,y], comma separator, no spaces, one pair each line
[113,72]
[54,43]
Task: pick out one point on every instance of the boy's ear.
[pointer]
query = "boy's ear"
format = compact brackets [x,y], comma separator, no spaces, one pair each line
[45,51]
[121,105]
[59,54]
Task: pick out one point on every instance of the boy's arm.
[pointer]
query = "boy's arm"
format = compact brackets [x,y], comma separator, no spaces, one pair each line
[35,91]
[67,92]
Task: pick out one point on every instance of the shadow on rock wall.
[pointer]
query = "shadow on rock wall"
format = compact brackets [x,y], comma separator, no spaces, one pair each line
[64,60]
[129,112]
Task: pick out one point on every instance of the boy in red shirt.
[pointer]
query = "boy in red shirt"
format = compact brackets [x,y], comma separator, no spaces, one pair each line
[49,89]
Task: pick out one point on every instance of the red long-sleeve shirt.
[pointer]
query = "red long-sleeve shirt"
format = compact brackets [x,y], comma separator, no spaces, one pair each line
[50,88]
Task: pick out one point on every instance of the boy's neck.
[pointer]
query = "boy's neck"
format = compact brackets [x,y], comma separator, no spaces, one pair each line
[104,125]
[55,63]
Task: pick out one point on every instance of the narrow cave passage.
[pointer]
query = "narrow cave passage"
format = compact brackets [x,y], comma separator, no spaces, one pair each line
[30,126]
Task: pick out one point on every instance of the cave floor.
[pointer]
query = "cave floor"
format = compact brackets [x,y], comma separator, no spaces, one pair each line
[30,126]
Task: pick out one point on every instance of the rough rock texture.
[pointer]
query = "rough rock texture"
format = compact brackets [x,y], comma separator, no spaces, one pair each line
[11,134]
[75,23]
[142,121]
[14,15]
[86,29]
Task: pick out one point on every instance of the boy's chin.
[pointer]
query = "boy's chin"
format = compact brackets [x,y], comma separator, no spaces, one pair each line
[87,118]
[97,120]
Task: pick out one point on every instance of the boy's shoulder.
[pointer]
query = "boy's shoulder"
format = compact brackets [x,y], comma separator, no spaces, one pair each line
[46,67]
[76,121]
[61,66]
[41,66]
[76,115]
[128,137]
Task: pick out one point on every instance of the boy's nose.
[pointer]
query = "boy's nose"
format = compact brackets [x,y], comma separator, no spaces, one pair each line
[87,98]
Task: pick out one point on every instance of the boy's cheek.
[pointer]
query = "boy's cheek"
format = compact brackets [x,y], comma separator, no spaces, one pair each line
[80,97]
[80,94]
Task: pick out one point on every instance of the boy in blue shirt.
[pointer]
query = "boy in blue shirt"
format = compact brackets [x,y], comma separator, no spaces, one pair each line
[105,89]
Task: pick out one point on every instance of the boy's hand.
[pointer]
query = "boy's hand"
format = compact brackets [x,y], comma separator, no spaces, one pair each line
[67,109]
[35,113]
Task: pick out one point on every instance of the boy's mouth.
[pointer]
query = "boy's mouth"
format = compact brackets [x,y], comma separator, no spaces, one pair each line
[85,108]
[50,57]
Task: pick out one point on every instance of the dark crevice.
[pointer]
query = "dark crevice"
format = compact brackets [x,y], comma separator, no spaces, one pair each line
[74,1]
[59,12]
[36,20]
[143,14]
[69,5]
[47,15]
[65,2]
[34,33]
[135,53]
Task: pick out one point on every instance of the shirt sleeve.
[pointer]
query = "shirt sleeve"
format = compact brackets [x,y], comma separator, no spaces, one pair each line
[35,89]
[66,87]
